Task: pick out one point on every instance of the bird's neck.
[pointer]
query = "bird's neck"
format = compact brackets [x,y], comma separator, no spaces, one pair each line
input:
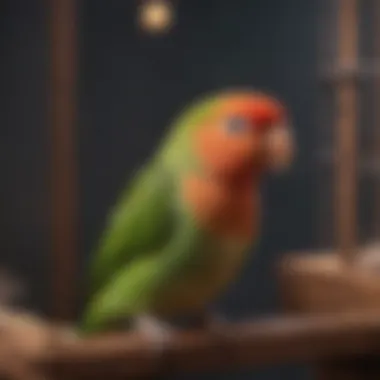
[224,207]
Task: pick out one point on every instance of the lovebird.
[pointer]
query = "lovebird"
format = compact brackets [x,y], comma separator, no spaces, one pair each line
[182,229]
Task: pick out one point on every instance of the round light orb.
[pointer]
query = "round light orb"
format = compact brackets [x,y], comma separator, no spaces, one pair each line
[156,16]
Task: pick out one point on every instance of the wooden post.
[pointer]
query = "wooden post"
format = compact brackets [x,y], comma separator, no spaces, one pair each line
[346,97]
[63,152]
[376,120]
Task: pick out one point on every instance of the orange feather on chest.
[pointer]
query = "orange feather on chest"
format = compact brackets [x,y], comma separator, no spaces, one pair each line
[224,211]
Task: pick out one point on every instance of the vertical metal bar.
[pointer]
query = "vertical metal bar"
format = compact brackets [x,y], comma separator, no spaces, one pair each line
[346,93]
[63,156]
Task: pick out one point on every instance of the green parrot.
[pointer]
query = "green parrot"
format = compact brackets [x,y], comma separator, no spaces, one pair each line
[181,230]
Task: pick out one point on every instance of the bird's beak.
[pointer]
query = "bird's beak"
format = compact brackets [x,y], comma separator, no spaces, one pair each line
[280,147]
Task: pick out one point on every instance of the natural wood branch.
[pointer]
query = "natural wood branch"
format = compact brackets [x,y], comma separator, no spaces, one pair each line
[23,338]
[245,345]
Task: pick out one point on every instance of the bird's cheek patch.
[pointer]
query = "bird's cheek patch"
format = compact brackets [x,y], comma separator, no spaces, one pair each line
[222,153]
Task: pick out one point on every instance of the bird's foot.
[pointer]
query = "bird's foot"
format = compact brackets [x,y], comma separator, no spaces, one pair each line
[157,332]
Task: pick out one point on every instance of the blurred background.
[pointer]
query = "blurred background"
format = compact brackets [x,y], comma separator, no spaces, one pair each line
[130,83]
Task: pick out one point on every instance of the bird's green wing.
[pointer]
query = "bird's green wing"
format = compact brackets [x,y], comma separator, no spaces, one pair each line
[141,222]
[136,288]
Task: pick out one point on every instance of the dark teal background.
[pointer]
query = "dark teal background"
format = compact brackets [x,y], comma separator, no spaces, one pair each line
[130,86]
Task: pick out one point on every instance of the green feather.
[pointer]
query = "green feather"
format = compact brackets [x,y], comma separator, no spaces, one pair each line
[141,222]
[134,288]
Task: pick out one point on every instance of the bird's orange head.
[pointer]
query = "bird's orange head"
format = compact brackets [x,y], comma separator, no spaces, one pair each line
[244,132]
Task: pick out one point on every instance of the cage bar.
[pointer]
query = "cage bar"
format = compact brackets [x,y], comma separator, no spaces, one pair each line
[63,151]
[376,119]
[346,136]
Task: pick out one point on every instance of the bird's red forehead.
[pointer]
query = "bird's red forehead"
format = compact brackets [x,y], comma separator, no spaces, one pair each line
[261,109]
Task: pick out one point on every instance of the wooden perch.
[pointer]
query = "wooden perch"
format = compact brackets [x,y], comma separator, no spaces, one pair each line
[345,323]
[245,345]
[33,349]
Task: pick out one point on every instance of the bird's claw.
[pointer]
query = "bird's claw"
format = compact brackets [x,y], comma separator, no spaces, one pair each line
[158,333]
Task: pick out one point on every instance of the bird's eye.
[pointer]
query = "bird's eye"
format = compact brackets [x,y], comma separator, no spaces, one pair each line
[236,125]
